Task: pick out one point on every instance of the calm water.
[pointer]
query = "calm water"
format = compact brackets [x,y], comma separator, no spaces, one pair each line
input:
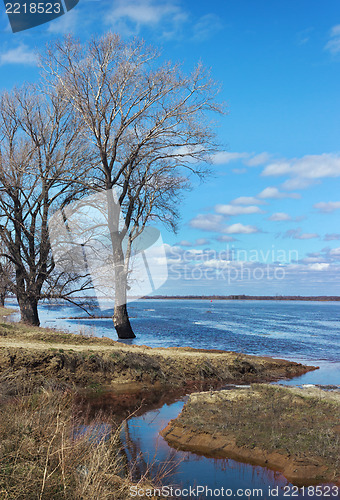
[302,331]
[193,470]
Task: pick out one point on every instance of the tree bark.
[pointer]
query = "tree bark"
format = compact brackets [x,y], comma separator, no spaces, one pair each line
[29,311]
[122,323]
[2,299]
[120,316]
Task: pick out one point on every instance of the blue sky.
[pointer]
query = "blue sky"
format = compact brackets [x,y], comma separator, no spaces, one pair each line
[268,221]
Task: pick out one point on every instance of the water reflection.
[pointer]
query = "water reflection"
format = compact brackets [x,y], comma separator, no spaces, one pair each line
[95,433]
[148,454]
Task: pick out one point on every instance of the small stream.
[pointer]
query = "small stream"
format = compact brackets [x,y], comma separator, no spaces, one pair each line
[148,451]
[190,469]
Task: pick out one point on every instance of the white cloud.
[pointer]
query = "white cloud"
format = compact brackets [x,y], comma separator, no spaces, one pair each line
[188,152]
[237,210]
[19,55]
[306,170]
[273,192]
[333,44]
[225,238]
[247,200]
[335,252]
[297,234]
[64,24]
[335,31]
[143,11]
[319,266]
[149,13]
[224,157]
[327,207]
[201,241]
[249,159]
[259,159]
[239,228]
[207,222]
[304,36]
[307,236]
[198,242]
[298,183]
[280,216]
[239,170]
[332,236]
[206,26]
[277,168]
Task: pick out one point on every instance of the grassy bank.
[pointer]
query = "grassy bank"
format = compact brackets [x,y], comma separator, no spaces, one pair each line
[40,458]
[295,431]
[71,359]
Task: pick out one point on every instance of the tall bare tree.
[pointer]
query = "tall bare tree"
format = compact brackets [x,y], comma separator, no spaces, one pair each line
[148,123]
[40,154]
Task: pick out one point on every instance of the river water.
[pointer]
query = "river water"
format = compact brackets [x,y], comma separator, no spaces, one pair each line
[307,332]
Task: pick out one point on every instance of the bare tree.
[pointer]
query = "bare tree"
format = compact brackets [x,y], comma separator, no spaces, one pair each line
[40,154]
[148,124]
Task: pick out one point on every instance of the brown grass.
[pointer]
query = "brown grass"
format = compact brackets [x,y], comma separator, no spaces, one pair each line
[45,453]
[6,311]
[294,422]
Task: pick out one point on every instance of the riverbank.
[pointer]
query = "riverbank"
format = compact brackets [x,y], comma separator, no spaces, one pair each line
[46,377]
[51,446]
[104,364]
[291,430]
[294,298]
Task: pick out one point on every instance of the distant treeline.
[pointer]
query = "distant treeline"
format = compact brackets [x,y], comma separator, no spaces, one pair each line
[323,298]
[320,298]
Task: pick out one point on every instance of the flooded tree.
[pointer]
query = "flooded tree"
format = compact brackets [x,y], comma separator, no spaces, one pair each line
[40,153]
[149,127]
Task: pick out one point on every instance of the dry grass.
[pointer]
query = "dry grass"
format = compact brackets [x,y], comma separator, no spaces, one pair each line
[6,311]
[272,418]
[46,451]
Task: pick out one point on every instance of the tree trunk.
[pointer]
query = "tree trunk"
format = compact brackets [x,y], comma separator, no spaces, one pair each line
[29,311]
[122,323]
[2,299]
[120,317]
